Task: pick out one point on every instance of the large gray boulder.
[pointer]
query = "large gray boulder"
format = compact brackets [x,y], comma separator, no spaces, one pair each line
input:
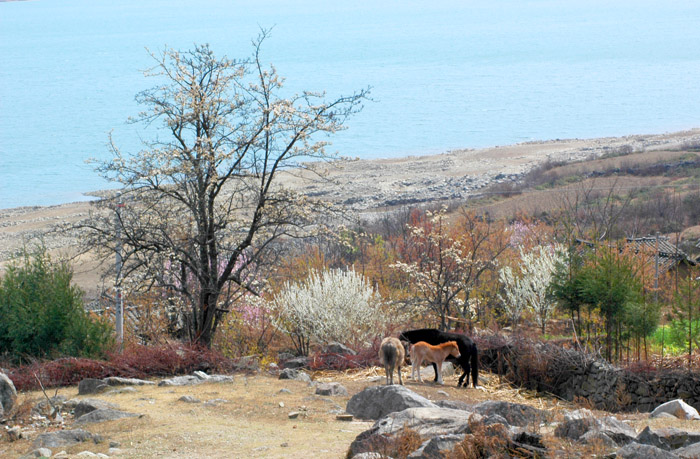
[102,415]
[64,438]
[378,401]
[677,408]
[427,422]
[637,451]
[8,394]
[89,386]
[515,414]
[91,404]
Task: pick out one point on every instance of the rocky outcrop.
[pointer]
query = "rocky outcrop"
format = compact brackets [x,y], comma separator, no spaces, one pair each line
[378,401]
[574,375]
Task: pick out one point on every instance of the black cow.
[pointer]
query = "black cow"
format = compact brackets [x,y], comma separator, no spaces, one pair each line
[469,354]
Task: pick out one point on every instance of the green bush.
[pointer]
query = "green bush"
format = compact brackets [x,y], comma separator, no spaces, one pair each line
[42,314]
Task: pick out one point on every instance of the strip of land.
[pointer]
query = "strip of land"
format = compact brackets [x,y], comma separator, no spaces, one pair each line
[365,186]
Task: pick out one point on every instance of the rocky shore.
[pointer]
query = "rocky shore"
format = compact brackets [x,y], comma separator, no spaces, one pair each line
[368,186]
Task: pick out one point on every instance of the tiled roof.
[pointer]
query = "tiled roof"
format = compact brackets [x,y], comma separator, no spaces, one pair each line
[669,254]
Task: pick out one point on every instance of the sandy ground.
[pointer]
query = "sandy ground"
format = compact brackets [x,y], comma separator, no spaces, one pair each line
[364,186]
[249,417]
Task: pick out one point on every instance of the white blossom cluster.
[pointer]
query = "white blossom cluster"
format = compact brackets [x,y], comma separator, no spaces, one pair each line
[333,305]
[530,286]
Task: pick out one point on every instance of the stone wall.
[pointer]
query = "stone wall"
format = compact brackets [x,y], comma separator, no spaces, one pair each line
[572,375]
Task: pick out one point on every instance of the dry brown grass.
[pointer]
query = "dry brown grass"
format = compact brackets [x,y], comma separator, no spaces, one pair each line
[553,200]
[253,422]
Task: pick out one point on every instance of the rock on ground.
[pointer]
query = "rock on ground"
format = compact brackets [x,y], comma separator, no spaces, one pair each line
[434,447]
[197,378]
[579,423]
[454,404]
[64,438]
[691,451]
[677,408]
[293,373]
[39,452]
[332,388]
[378,401]
[8,394]
[338,348]
[637,451]
[296,362]
[667,438]
[91,404]
[515,414]
[103,414]
[428,422]
[118,381]
[90,386]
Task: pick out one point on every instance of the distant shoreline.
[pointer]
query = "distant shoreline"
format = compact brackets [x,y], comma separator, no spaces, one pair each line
[361,176]
[366,187]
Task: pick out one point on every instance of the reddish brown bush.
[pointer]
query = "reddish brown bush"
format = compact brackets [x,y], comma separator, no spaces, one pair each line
[135,361]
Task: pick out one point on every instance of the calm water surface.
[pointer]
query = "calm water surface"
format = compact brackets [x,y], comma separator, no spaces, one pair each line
[445,75]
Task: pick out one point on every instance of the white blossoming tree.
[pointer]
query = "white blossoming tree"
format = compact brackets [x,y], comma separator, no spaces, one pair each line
[203,207]
[531,287]
[513,297]
[329,306]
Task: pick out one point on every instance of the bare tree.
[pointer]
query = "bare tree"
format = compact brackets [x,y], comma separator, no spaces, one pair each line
[444,260]
[593,209]
[203,202]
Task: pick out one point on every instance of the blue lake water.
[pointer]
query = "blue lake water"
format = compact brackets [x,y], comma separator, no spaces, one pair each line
[445,75]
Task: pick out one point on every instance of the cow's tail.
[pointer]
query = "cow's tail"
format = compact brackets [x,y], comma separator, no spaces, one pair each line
[475,366]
